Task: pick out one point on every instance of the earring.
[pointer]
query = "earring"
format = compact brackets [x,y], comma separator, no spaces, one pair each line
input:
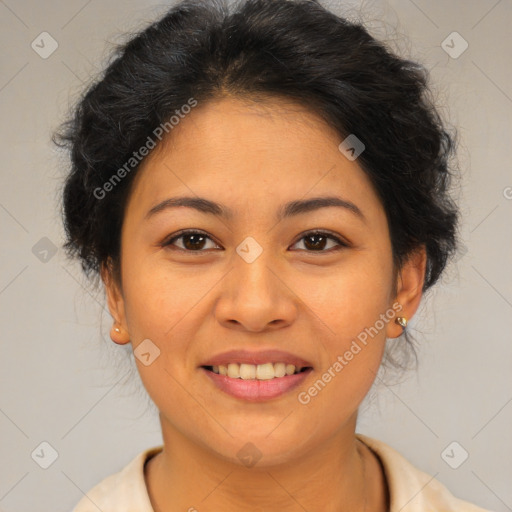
[119,335]
[401,321]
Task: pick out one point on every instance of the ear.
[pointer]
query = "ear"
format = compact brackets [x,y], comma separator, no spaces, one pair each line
[115,302]
[409,289]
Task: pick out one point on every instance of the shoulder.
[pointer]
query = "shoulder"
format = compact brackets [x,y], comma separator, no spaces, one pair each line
[412,490]
[121,491]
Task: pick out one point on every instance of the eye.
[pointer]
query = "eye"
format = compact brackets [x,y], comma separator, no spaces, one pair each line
[316,241]
[195,241]
[192,241]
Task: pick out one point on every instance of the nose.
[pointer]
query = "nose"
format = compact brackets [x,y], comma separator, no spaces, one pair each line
[255,298]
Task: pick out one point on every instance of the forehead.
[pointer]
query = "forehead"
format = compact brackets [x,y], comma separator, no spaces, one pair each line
[237,151]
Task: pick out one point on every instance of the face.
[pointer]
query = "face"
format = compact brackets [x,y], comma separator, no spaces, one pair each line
[276,283]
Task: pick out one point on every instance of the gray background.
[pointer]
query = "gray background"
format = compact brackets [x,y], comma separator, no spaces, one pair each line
[65,383]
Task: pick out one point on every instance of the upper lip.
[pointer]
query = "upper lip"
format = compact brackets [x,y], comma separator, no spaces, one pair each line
[256,357]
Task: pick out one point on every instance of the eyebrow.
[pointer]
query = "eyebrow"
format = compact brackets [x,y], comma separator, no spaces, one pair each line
[285,211]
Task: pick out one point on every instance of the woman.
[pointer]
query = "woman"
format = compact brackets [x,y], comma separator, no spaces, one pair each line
[264,193]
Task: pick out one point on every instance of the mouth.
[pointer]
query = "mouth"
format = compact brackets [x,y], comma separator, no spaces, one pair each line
[256,376]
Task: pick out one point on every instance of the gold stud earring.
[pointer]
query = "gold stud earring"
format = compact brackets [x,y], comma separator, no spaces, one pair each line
[401,321]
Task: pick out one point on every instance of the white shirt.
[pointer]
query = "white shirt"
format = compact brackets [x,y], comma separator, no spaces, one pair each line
[410,489]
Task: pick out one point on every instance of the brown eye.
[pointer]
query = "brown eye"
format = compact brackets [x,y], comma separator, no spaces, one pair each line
[196,241]
[318,240]
[191,241]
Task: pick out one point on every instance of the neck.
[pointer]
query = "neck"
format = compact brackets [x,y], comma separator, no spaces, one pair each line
[333,477]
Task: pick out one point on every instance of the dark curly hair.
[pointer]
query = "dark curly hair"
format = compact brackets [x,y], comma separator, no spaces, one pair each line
[298,50]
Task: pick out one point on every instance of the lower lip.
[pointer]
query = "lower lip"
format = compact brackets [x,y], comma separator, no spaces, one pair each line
[257,390]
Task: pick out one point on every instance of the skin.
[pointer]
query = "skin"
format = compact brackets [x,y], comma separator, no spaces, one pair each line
[253,158]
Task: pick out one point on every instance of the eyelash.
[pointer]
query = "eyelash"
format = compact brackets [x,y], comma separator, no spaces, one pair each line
[181,234]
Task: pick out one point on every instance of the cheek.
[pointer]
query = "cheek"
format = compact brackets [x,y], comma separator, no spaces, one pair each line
[160,309]
[354,307]
[353,345]
[158,306]
[158,296]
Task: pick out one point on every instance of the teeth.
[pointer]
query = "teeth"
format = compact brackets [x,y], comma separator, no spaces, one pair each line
[247,371]
[234,370]
[279,369]
[265,371]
